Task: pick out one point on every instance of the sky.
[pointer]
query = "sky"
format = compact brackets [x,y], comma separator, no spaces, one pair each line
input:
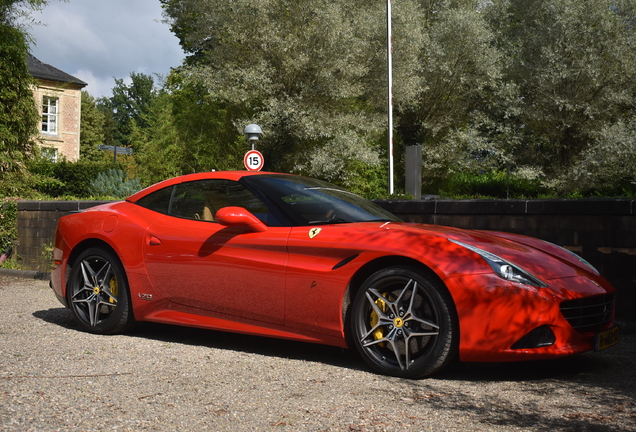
[99,40]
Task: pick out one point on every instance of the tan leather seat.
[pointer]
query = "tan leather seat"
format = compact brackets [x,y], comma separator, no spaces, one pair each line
[208,211]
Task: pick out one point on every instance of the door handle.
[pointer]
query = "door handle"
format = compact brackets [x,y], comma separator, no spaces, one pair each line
[152,240]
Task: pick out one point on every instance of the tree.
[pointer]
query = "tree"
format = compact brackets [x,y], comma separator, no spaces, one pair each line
[186,131]
[128,105]
[92,129]
[310,72]
[158,150]
[516,86]
[314,74]
[574,65]
[456,72]
[18,113]
[610,161]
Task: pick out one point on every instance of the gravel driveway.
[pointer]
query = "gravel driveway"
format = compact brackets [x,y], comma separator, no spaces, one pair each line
[159,377]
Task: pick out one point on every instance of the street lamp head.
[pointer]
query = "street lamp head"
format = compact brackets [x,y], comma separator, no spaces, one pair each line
[253,131]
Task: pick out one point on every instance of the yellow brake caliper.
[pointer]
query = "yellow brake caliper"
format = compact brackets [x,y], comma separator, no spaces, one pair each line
[378,334]
[114,290]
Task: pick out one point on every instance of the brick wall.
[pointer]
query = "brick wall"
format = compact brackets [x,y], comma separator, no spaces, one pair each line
[36,228]
[601,231]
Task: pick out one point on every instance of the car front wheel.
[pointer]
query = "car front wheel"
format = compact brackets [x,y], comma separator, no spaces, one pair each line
[97,293]
[404,324]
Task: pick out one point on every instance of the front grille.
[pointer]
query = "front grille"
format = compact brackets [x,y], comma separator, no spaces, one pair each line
[589,314]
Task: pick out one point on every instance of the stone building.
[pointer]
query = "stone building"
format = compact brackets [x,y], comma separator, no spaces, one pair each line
[58,97]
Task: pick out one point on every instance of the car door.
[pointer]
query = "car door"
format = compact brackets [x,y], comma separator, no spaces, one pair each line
[319,269]
[195,261]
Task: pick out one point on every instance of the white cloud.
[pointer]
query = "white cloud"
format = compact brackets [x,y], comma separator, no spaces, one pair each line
[96,86]
[101,40]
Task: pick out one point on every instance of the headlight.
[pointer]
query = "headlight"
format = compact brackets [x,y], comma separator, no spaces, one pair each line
[504,269]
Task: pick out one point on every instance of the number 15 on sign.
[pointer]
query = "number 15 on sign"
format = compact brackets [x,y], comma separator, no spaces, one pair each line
[253,160]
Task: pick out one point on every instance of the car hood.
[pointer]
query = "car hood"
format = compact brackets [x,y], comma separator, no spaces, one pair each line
[544,260]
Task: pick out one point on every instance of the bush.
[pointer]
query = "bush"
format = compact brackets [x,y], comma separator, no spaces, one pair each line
[369,181]
[15,184]
[114,183]
[67,178]
[8,224]
[495,184]
[618,189]
[49,185]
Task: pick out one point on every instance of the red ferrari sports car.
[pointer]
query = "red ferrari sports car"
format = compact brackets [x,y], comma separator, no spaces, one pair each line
[291,257]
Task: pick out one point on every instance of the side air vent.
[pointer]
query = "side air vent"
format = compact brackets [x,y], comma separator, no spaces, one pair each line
[345,261]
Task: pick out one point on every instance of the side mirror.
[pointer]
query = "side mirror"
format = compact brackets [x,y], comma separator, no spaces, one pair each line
[238,216]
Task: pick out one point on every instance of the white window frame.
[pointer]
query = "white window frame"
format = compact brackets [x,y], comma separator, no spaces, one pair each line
[50,153]
[50,115]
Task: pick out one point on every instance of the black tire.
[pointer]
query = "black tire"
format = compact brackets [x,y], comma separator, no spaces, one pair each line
[97,293]
[404,324]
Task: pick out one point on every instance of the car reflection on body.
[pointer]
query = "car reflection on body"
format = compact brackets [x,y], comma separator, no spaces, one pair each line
[291,257]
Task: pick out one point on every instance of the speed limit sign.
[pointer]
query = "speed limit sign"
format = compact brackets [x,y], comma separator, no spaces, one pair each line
[253,160]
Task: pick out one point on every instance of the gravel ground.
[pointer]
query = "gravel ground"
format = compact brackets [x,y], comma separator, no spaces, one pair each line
[159,377]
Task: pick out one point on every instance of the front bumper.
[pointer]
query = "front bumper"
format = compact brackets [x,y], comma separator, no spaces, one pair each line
[496,315]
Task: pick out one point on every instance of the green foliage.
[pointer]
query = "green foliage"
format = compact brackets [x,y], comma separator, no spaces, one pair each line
[497,185]
[115,184]
[609,163]
[13,12]
[187,131]
[46,256]
[92,130]
[572,65]
[307,71]
[369,181]
[543,90]
[18,114]
[128,106]
[540,89]
[49,186]
[457,68]
[66,178]
[8,223]
[619,189]
[494,184]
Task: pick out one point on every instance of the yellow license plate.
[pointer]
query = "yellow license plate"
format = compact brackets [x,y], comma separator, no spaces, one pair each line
[606,339]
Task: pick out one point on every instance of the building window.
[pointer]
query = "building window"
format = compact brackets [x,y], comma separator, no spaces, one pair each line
[49,115]
[50,153]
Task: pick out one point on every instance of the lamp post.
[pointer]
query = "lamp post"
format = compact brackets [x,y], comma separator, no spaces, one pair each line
[253,132]
[389,56]
[253,159]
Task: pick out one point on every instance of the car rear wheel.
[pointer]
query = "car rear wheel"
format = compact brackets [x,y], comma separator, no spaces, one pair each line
[404,324]
[97,293]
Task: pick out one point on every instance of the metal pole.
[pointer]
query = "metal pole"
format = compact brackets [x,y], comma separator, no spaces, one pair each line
[389,52]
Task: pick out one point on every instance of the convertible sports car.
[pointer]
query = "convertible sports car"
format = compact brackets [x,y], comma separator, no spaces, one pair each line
[291,257]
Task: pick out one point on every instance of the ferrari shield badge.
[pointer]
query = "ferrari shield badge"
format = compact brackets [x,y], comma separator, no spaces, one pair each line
[314,232]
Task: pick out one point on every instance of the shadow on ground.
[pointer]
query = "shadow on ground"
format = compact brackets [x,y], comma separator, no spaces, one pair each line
[590,365]
[224,340]
[603,381]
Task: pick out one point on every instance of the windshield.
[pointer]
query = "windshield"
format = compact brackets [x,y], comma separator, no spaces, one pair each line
[312,202]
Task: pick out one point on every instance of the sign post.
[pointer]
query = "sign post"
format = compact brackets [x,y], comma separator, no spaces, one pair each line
[253,160]
[116,150]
